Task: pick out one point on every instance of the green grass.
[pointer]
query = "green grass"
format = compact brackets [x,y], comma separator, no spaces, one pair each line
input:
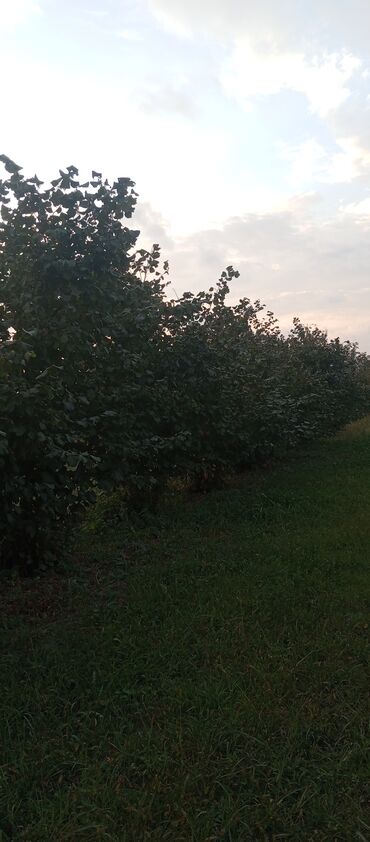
[206,678]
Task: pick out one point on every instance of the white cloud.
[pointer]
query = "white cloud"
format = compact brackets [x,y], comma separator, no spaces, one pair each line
[347,164]
[264,19]
[351,122]
[170,22]
[97,13]
[311,162]
[323,80]
[360,210]
[172,160]
[153,227]
[279,46]
[130,35]
[169,99]
[14,13]
[285,25]
[307,162]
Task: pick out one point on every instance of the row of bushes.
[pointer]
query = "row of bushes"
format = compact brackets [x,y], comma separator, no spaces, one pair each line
[105,382]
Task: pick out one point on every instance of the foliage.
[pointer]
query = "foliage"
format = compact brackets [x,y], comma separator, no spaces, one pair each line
[106,383]
[41,459]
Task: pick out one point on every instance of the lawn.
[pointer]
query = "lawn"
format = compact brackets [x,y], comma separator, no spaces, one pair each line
[205,677]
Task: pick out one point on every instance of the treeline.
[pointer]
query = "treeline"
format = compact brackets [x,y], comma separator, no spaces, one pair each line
[105,382]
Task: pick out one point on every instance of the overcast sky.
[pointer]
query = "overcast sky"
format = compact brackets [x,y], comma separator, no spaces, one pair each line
[244,123]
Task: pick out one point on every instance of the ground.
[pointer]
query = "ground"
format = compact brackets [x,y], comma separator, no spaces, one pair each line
[205,677]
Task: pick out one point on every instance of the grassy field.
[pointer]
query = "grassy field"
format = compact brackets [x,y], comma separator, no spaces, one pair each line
[205,678]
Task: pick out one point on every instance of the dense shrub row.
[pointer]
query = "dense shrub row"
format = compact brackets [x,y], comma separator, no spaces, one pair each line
[106,383]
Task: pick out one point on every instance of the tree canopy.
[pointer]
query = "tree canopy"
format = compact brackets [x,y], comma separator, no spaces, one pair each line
[105,382]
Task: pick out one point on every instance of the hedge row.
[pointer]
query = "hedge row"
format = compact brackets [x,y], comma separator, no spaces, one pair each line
[105,382]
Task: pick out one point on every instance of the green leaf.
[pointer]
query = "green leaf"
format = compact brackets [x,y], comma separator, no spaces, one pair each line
[9,165]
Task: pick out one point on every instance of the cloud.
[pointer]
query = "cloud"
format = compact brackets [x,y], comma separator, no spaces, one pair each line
[153,227]
[14,13]
[130,35]
[351,122]
[225,18]
[360,210]
[169,100]
[279,27]
[292,261]
[323,80]
[312,162]
[277,46]
[97,13]
[172,161]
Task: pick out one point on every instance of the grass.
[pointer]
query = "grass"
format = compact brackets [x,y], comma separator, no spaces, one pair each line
[206,678]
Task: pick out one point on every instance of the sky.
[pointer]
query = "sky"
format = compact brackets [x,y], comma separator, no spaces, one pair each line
[244,123]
